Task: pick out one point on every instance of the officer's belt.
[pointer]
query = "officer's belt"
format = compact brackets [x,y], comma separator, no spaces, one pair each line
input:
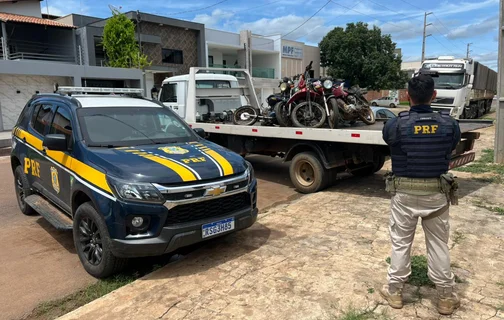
[417,186]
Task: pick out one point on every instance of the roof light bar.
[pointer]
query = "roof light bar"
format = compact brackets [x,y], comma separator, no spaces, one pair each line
[99,90]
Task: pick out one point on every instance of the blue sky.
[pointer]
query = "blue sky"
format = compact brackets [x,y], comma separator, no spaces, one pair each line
[454,23]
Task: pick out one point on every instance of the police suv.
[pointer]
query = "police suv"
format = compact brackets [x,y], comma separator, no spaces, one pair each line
[127,175]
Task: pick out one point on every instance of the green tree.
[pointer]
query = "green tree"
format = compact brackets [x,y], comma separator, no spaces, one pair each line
[362,56]
[120,45]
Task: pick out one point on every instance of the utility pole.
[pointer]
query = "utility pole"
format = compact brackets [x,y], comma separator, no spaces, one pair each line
[424,31]
[499,125]
[468,50]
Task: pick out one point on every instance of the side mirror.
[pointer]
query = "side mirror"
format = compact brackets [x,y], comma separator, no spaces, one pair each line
[200,132]
[56,142]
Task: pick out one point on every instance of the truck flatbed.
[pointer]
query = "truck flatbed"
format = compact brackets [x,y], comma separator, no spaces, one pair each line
[359,133]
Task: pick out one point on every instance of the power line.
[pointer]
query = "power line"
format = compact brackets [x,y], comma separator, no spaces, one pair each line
[302,24]
[199,9]
[245,9]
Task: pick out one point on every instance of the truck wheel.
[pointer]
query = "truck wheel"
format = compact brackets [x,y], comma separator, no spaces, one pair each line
[93,244]
[308,174]
[23,190]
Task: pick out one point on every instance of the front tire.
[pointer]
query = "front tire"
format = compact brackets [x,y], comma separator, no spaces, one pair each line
[23,190]
[300,117]
[308,174]
[93,244]
[392,105]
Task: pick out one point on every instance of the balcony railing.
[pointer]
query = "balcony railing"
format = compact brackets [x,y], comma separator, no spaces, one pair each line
[225,66]
[268,73]
[28,50]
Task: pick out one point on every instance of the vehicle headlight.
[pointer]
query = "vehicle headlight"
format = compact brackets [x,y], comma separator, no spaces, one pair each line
[283,86]
[135,191]
[328,84]
[251,173]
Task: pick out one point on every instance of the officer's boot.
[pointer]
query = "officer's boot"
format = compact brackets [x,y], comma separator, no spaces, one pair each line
[448,300]
[393,295]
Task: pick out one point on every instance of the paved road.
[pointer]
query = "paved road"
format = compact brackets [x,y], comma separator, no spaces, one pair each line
[39,263]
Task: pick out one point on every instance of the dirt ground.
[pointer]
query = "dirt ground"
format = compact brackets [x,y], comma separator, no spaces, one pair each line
[38,263]
[318,257]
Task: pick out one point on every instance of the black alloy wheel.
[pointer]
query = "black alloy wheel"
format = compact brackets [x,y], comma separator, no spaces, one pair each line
[90,240]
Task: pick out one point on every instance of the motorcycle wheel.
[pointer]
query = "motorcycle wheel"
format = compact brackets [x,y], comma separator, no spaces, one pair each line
[245,116]
[368,116]
[334,114]
[282,114]
[299,115]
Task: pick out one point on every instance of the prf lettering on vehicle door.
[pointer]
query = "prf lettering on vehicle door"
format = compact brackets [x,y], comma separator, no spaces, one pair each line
[32,167]
[194,160]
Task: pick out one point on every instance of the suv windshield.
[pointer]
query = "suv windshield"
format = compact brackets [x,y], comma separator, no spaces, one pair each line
[130,126]
[449,81]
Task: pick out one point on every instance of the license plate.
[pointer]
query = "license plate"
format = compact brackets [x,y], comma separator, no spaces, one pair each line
[462,160]
[217,227]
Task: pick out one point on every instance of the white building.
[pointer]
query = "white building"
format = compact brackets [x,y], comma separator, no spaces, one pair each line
[266,57]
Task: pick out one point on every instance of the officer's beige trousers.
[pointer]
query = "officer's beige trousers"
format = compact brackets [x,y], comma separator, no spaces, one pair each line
[405,211]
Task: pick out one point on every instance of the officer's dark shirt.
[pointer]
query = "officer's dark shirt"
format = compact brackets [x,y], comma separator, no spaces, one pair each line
[391,132]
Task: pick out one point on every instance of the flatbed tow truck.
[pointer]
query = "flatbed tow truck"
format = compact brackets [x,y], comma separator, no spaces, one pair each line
[316,156]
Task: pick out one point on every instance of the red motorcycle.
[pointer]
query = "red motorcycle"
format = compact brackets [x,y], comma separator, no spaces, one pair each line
[303,108]
[352,104]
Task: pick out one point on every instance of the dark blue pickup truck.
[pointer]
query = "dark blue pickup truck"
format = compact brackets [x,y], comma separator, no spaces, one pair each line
[128,176]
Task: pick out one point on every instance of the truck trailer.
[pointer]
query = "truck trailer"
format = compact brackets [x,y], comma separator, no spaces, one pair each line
[464,86]
[316,156]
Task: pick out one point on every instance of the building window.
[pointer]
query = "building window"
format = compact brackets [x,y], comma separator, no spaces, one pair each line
[172,56]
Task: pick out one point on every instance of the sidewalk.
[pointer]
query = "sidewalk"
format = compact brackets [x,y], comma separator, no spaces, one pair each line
[5,139]
[316,258]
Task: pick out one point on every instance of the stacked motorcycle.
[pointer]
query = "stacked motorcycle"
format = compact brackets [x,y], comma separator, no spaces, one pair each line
[312,103]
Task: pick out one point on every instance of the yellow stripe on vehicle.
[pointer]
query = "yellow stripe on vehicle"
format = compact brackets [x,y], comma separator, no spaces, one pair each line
[225,165]
[86,172]
[184,173]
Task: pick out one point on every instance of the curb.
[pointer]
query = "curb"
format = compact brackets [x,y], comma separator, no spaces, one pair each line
[5,151]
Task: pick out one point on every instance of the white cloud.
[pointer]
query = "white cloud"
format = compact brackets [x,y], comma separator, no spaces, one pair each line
[213,19]
[313,29]
[64,7]
[448,8]
[475,29]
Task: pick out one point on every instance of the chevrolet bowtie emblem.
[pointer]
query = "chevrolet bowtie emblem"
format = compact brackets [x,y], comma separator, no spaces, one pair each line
[217,191]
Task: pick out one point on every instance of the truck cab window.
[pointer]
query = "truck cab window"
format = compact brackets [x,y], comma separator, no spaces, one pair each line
[211,84]
[169,93]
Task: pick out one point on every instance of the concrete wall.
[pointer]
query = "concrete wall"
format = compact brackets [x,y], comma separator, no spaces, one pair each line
[261,43]
[222,37]
[267,61]
[217,56]
[16,90]
[25,8]
[78,20]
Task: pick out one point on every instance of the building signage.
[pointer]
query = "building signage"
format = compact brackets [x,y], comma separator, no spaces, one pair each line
[443,65]
[292,52]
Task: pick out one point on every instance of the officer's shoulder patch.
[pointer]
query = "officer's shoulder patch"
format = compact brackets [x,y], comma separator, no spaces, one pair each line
[404,114]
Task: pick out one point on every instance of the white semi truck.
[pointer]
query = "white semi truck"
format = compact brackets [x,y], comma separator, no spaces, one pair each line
[316,156]
[464,86]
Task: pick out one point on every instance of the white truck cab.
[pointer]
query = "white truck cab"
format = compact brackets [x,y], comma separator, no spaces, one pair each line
[174,92]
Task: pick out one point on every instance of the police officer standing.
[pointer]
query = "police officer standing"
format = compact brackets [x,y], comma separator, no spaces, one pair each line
[421,142]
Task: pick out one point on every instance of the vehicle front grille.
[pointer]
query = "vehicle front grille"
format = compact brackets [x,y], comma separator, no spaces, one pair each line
[441,100]
[208,209]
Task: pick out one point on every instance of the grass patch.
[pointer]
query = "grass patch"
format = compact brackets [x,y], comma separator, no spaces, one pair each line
[419,269]
[485,164]
[404,103]
[497,210]
[353,314]
[457,238]
[500,284]
[56,308]
[370,290]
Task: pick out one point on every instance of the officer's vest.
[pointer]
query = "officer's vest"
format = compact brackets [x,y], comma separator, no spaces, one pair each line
[425,145]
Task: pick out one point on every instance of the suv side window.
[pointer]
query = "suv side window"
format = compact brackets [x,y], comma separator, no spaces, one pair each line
[62,124]
[44,116]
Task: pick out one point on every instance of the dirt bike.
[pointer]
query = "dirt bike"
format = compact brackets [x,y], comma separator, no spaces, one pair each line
[352,104]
